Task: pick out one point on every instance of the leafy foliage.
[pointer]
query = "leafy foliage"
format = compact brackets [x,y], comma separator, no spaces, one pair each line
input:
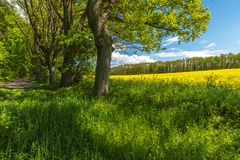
[84,50]
[14,51]
[148,22]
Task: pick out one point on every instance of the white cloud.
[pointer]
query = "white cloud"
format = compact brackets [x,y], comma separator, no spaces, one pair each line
[211,45]
[169,54]
[170,41]
[190,54]
[119,59]
[174,49]
[204,53]
[204,41]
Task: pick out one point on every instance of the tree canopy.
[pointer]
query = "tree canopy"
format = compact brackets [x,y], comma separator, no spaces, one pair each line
[148,22]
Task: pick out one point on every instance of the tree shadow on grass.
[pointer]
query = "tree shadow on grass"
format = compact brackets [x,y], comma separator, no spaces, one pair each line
[3,94]
[49,125]
[46,92]
[53,132]
[60,130]
[44,131]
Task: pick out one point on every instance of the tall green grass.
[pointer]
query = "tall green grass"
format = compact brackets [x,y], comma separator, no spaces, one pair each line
[136,120]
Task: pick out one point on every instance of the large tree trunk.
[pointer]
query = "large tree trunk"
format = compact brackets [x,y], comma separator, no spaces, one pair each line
[103,42]
[104,54]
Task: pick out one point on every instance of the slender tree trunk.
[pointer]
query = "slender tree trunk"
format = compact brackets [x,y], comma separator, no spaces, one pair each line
[66,78]
[67,74]
[103,41]
[52,74]
[51,58]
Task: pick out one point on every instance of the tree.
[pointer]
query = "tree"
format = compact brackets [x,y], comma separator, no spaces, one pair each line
[14,53]
[46,27]
[55,29]
[68,20]
[143,22]
[73,52]
[78,55]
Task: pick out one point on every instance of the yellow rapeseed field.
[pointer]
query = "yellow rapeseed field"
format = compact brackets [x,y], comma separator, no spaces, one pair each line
[225,78]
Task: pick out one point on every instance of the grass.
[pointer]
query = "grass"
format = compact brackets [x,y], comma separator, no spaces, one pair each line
[137,120]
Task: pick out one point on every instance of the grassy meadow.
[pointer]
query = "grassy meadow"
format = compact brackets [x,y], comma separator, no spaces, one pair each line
[193,115]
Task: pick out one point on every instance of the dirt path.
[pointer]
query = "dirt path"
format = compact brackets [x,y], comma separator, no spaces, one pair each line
[20,83]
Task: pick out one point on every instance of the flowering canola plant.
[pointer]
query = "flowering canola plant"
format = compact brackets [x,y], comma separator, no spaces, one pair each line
[224,78]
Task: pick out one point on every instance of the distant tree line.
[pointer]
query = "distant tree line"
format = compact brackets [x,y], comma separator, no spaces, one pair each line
[224,61]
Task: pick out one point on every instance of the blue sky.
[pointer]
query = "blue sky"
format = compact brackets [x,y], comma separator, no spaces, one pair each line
[222,36]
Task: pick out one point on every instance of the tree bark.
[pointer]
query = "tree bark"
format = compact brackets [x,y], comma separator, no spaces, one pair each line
[66,78]
[103,41]
[51,63]
[104,54]
[52,74]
